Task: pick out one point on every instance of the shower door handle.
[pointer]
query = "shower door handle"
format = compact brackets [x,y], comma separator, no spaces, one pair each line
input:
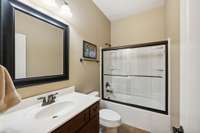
[178,130]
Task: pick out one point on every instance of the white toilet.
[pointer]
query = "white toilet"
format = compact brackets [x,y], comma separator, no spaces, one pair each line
[109,119]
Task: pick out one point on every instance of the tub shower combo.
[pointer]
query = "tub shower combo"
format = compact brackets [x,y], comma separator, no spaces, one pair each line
[137,75]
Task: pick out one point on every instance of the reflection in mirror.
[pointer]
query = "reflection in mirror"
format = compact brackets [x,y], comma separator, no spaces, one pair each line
[38,47]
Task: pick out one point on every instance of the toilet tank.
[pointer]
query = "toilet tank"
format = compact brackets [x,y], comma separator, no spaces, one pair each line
[94,93]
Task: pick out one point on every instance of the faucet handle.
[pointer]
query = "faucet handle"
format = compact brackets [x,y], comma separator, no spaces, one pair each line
[41,98]
[56,93]
[52,97]
[44,100]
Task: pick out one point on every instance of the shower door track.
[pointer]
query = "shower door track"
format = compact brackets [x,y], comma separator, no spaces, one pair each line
[145,76]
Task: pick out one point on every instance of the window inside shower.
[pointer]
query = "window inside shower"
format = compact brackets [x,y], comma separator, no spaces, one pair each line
[137,75]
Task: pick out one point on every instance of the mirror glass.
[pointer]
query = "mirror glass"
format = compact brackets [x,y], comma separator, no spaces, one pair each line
[38,47]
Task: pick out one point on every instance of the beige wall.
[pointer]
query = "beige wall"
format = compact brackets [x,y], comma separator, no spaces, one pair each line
[44,45]
[87,23]
[147,26]
[173,32]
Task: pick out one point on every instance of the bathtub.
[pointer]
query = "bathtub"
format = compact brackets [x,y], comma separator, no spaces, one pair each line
[140,100]
[139,118]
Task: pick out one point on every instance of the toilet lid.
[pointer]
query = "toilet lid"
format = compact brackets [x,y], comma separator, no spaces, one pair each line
[109,115]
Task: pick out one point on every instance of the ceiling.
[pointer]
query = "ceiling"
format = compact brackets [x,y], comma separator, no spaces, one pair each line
[118,9]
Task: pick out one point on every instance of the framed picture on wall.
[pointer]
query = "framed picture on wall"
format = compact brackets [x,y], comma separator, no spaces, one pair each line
[89,50]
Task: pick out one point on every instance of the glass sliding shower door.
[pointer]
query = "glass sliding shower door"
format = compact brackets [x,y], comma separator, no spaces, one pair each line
[136,76]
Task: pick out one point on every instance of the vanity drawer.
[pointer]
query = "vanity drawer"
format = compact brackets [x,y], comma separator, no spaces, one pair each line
[75,124]
[94,110]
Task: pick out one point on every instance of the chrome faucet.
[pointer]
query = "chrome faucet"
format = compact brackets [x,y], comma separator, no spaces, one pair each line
[52,98]
[108,89]
[48,100]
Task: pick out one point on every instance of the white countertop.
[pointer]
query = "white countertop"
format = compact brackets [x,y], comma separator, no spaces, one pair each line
[21,119]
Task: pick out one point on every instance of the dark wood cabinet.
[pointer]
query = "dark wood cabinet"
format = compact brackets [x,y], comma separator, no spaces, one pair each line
[91,127]
[85,122]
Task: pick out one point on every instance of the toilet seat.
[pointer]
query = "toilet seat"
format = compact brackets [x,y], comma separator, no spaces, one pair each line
[109,118]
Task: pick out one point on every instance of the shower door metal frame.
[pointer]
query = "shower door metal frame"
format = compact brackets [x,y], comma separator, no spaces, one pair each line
[163,43]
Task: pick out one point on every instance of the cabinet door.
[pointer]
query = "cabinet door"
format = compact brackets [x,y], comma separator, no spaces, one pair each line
[94,110]
[91,127]
[75,124]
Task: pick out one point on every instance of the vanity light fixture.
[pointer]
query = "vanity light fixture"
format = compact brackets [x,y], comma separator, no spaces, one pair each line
[49,3]
[62,6]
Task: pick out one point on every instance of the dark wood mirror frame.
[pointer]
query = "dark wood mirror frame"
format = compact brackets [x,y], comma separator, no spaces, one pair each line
[7,42]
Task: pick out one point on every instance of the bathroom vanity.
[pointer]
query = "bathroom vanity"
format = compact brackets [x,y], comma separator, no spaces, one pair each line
[72,112]
[85,122]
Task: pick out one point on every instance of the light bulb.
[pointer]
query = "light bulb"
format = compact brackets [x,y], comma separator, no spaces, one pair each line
[65,10]
[49,3]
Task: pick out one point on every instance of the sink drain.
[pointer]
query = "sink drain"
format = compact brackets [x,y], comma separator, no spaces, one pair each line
[54,117]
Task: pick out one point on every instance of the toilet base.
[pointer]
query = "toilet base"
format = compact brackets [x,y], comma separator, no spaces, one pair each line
[110,130]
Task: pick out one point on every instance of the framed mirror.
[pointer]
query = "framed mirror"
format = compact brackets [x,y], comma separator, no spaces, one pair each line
[35,46]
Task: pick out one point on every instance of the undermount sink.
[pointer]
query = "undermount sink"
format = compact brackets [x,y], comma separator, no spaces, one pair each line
[55,110]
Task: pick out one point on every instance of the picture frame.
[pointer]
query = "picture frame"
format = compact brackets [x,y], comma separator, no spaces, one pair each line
[89,50]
